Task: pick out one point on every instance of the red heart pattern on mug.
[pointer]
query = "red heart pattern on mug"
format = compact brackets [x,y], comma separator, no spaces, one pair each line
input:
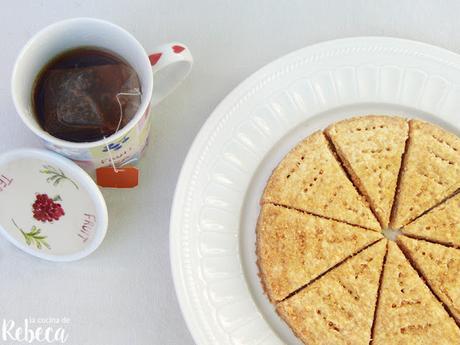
[154,58]
[177,49]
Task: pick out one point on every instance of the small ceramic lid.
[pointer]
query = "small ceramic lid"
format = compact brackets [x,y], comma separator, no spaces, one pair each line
[49,206]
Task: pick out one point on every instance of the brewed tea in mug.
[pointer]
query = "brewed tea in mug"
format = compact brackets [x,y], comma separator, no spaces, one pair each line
[86,94]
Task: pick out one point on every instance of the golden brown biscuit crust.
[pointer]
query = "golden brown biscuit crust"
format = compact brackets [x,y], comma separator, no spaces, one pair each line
[407,311]
[294,248]
[441,224]
[440,267]
[338,308]
[313,220]
[430,171]
[371,149]
[311,179]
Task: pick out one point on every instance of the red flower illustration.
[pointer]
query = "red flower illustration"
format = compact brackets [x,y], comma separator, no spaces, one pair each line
[46,209]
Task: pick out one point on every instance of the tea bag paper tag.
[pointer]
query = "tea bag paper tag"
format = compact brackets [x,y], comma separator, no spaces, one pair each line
[126,177]
[111,176]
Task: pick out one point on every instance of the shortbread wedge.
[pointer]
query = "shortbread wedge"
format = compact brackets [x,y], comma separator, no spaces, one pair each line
[294,248]
[440,267]
[441,224]
[310,178]
[338,308]
[430,171]
[407,311]
[371,149]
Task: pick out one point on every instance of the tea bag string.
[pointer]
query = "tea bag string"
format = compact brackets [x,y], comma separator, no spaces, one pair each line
[134,92]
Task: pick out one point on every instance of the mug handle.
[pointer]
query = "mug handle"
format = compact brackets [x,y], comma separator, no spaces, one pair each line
[171,63]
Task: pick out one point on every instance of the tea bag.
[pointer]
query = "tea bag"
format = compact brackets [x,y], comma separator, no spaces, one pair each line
[90,103]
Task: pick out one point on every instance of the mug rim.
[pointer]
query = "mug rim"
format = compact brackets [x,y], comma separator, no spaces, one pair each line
[145,101]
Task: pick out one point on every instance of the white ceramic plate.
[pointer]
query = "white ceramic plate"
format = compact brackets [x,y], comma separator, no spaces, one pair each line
[215,208]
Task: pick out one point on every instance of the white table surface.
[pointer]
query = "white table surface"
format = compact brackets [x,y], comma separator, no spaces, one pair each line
[123,293]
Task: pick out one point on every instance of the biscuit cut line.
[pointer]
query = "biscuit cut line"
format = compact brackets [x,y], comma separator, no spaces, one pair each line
[342,165]
[319,216]
[422,277]
[431,208]
[441,243]
[371,340]
[328,270]
[400,173]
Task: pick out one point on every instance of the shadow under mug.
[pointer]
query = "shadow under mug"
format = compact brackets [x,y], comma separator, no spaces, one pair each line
[170,64]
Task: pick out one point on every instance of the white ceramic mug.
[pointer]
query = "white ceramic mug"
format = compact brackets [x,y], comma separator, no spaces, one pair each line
[170,64]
